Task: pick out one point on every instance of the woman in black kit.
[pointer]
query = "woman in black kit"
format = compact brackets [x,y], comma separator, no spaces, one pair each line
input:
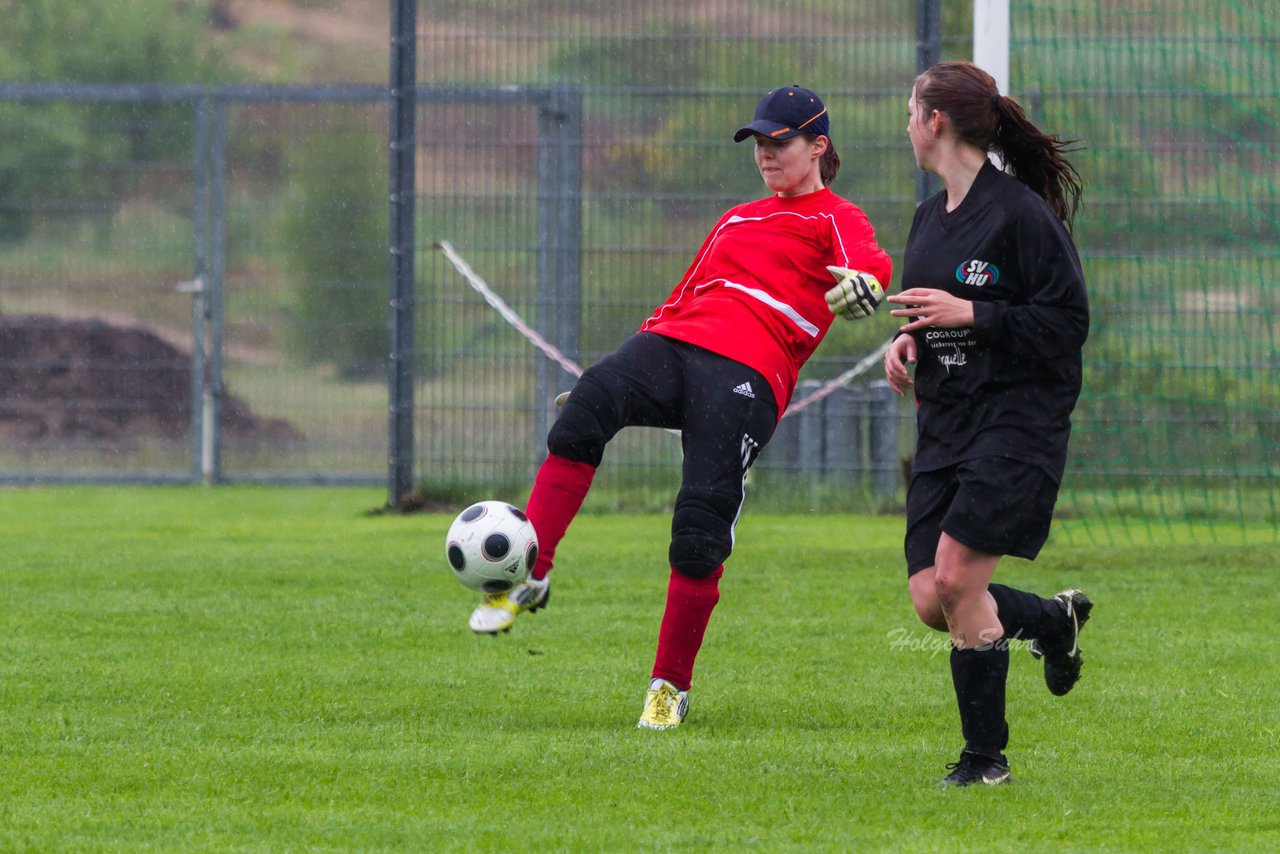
[996,320]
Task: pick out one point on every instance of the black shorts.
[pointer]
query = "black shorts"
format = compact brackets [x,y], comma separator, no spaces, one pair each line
[725,413]
[993,504]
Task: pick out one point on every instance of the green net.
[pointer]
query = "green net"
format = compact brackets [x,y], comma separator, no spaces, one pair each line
[662,86]
[1175,105]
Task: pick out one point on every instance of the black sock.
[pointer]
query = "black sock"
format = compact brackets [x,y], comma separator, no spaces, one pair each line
[1026,616]
[979,677]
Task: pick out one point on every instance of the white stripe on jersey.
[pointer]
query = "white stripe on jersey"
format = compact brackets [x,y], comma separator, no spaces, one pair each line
[830,218]
[679,296]
[791,313]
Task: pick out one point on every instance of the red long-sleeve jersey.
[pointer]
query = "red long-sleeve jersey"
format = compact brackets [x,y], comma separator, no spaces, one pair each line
[755,290]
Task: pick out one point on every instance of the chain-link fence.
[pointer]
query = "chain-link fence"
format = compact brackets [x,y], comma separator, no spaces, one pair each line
[1176,104]
[576,154]
[659,89]
[1173,102]
[241,234]
[193,283]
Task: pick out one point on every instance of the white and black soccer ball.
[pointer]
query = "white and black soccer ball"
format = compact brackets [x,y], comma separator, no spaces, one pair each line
[491,547]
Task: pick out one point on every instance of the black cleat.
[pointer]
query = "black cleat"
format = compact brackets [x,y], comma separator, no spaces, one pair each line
[976,768]
[1063,659]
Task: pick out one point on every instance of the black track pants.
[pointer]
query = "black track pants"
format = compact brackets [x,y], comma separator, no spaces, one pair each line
[724,410]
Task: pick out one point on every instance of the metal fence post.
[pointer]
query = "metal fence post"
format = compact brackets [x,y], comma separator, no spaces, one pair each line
[568,222]
[214,388]
[883,438]
[404,71]
[200,242]
[544,293]
[209,235]
[928,51]
[842,433]
[559,286]
[810,431]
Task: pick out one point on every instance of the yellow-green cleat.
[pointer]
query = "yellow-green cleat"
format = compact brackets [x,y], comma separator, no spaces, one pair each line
[665,706]
[498,611]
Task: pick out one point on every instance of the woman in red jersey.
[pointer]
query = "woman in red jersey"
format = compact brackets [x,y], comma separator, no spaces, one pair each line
[717,360]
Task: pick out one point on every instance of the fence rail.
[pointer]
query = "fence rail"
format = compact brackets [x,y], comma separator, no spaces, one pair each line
[576,167]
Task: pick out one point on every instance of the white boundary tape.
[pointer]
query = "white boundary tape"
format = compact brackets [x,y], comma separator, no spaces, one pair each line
[505,310]
[844,379]
[574,368]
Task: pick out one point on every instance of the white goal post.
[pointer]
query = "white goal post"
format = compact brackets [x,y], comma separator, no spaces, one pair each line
[991,39]
[991,45]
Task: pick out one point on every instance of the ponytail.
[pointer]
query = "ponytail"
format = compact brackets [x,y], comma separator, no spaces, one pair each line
[983,117]
[1037,159]
[828,163]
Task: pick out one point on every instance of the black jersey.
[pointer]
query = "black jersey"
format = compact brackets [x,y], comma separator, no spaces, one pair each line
[1005,387]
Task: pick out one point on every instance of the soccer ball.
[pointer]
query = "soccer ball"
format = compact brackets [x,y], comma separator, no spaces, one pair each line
[491,547]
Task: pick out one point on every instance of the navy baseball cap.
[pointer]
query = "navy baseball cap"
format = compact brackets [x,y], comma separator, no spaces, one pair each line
[785,112]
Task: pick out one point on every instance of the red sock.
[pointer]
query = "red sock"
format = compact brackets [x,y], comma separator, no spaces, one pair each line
[690,602]
[558,492]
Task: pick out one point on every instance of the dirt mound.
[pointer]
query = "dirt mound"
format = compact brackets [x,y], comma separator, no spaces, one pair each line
[73,380]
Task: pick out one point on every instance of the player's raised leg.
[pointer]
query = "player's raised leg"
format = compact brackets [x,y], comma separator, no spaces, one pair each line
[602,402]
[559,489]
[1060,649]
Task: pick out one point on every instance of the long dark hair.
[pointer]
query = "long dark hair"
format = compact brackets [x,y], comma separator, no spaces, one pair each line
[994,122]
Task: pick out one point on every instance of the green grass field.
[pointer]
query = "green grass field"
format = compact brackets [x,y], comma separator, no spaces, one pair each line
[274,669]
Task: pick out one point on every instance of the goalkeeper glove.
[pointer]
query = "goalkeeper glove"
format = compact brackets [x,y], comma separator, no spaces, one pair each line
[856,294]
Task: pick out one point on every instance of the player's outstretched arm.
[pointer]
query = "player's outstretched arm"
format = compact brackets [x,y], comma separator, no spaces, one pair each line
[856,294]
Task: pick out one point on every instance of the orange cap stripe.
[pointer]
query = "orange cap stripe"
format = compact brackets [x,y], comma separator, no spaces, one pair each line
[815,117]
